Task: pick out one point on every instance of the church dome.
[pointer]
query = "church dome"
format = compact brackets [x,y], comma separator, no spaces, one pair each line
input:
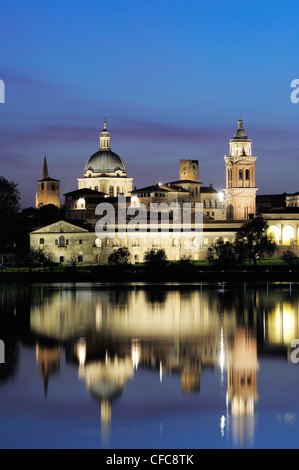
[104,161]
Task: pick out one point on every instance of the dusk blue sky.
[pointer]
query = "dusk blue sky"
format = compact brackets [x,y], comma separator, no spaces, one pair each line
[171,78]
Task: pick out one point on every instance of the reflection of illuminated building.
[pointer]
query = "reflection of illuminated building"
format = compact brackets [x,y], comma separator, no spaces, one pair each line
[106,380]
[179,332]
[282,325]
[242,368]
[48,362]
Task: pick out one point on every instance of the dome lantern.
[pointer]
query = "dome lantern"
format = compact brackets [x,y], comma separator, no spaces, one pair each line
[105,138]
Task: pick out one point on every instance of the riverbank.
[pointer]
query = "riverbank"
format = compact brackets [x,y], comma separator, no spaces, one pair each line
[142,273]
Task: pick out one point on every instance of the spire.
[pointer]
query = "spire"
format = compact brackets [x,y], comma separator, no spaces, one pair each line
[104,123]
[45,173]
[240,123]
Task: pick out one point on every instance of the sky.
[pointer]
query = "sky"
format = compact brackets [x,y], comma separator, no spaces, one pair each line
[170,77]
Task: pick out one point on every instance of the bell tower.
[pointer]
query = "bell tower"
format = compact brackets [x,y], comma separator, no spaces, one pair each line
[48,189]
[240,188]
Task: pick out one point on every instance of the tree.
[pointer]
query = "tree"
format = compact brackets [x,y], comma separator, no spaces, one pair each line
[222,255]
[155,257]
[35,256]
[121,256]
[289,257]
[9,198]
[252,241]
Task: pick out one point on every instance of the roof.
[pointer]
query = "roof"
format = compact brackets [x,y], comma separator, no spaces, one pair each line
[48,179]
[208,189]
[159,188]
[282,210]
[240,133]
[105,161]
[85,191]
[185,181]
[60,227]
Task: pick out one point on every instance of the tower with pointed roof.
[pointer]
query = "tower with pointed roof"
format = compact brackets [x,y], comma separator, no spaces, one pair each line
[240,188]
[48,189]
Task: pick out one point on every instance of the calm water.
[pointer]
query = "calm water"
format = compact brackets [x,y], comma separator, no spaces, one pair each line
[94,366]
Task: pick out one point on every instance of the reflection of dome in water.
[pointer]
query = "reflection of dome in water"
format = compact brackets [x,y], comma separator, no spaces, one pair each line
[105,390]
[104,160]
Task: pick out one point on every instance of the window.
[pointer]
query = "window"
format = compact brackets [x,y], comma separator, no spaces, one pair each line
[240,175]
[61,259]
[111,191]
[61,241]
[80,242]
[80,259]
[117,190]
[41,241]
[96,188]
[247,175]
[56,242]
[53,187]
[42,186]
[98,242]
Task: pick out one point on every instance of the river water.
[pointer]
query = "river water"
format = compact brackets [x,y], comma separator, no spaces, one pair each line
[138,366]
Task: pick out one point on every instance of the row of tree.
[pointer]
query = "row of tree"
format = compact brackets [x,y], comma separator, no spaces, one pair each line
[252,243]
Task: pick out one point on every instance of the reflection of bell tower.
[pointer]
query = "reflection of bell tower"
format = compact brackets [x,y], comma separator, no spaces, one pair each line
[242,368]
[48,361]
[240,188]
[48,189]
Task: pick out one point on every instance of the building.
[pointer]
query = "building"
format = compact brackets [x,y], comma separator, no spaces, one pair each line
[48,189]
[240,188]
[105,171]
[223,213]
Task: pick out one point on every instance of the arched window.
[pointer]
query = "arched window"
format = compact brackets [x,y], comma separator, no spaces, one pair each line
[98,242]
[240,175]
[247,175]
[96,188]
[117,190]
[111,191]
[61,240]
